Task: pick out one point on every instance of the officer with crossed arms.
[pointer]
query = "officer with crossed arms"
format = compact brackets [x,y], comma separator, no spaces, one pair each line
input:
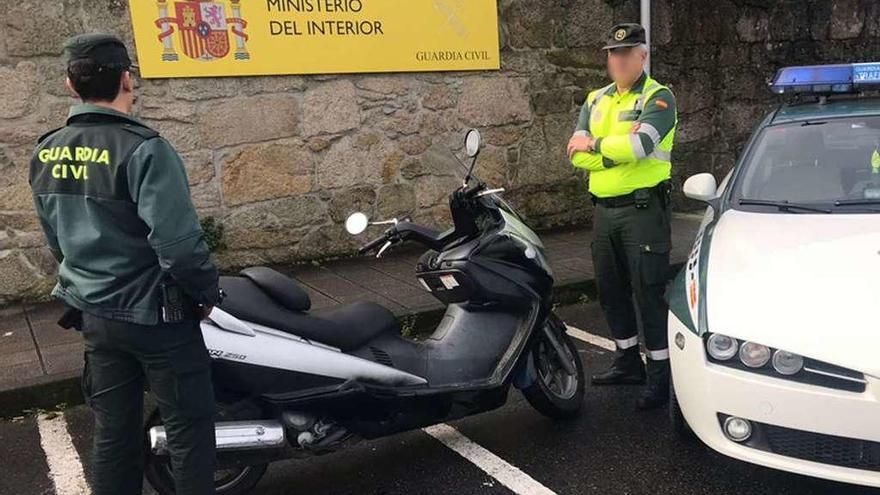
[624,139]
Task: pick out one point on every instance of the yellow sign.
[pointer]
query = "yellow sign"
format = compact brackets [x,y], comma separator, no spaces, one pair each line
[193,38]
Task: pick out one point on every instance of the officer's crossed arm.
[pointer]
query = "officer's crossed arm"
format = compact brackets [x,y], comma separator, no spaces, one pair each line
[588,160]
[158,184]
[655,122]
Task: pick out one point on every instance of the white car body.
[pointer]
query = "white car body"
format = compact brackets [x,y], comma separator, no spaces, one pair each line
[804,283]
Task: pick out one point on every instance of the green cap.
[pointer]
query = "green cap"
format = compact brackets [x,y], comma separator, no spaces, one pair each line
[625,35]
[105,49]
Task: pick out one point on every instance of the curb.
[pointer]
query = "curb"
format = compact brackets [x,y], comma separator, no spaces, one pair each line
[49,392]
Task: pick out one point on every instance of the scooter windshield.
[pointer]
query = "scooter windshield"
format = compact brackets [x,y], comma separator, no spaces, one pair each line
[441,160]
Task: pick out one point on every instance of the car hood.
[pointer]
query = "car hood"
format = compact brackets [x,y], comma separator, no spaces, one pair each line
[805,283]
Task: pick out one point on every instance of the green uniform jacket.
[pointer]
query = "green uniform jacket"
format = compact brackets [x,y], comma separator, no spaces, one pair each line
[114,202]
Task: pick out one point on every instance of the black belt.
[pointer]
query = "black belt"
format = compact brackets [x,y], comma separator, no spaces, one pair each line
[630,199]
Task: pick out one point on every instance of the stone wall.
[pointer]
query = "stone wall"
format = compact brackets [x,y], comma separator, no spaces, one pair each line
[280,161]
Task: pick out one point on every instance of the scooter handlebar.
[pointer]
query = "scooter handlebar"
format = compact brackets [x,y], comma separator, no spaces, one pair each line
[373,244]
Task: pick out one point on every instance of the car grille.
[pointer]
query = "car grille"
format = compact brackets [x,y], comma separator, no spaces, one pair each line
[814,447]
[827,449]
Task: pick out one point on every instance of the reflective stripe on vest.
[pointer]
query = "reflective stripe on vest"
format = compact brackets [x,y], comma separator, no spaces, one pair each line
[646,90]
[596,101]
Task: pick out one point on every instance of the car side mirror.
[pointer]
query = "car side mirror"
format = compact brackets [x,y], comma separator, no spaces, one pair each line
[701,187]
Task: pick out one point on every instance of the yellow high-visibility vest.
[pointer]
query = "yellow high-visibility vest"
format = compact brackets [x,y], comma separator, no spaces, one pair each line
[622,166]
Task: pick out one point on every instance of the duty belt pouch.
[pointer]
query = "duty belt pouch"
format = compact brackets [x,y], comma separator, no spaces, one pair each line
[642,198]
[174,305]
[665,190]
[72,318]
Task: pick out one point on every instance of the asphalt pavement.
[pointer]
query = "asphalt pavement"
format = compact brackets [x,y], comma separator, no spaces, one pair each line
[610,449]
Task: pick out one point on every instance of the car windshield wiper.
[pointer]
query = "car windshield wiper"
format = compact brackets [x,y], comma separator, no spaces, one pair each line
[784,205]
[859,204]
[859,201]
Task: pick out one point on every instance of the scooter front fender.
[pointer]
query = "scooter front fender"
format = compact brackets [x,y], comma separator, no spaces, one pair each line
[525,374]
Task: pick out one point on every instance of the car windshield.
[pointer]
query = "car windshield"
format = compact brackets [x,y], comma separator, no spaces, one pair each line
[829,166]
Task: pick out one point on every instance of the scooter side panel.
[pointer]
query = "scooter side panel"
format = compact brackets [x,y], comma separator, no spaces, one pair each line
[278,352]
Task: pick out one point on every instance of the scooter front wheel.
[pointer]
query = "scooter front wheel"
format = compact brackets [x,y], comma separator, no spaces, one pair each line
[558,388]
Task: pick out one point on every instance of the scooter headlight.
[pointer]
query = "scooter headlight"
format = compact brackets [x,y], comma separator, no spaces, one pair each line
[754,355]
[787,363]
[721,347]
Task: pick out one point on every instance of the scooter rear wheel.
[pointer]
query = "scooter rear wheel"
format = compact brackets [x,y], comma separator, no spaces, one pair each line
[234,481]
[555,392]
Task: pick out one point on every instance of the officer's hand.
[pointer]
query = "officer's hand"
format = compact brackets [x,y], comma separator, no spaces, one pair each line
[579,143]
[635,128]
[204,311]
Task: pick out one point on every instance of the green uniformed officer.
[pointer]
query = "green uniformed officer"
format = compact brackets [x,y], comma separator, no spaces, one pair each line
[113,200]
[875,159]
[624,139]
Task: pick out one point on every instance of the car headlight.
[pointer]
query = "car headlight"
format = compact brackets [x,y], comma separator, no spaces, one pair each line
[754,358]
[787,363]
[754,355]
[721,347]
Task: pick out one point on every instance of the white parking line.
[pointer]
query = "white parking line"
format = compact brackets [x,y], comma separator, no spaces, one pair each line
[589,338]
[496,467]
[595,340]
[65,468]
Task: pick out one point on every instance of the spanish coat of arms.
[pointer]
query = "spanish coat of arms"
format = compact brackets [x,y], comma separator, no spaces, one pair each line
[203,29]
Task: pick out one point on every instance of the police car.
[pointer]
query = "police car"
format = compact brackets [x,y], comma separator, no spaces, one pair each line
[774,323]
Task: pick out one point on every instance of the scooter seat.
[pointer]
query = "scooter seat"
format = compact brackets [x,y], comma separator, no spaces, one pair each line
[280,287]
[345,327]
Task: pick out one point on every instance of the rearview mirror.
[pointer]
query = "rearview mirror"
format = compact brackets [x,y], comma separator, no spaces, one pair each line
[701,187]
[356,223]
[472,142]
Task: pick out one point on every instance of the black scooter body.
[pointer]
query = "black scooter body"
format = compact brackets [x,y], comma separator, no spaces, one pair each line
[469,360]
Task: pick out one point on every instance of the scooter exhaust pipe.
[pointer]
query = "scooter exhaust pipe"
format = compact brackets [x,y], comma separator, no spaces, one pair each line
[231,435]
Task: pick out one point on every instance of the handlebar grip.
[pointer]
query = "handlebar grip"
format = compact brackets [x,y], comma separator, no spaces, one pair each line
[472,191]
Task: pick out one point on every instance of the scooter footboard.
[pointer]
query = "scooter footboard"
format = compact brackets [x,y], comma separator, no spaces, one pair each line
[401,413]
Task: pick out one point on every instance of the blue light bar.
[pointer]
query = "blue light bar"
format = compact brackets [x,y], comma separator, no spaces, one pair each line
[826,79]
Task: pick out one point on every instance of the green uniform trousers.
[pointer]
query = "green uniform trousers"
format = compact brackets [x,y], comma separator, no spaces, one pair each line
[172,358]
[631,259]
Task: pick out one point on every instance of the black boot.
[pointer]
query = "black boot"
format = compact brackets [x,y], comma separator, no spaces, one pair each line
[627,369]
[656,394]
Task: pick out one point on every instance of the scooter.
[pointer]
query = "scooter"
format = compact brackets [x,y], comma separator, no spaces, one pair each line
[291,382]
